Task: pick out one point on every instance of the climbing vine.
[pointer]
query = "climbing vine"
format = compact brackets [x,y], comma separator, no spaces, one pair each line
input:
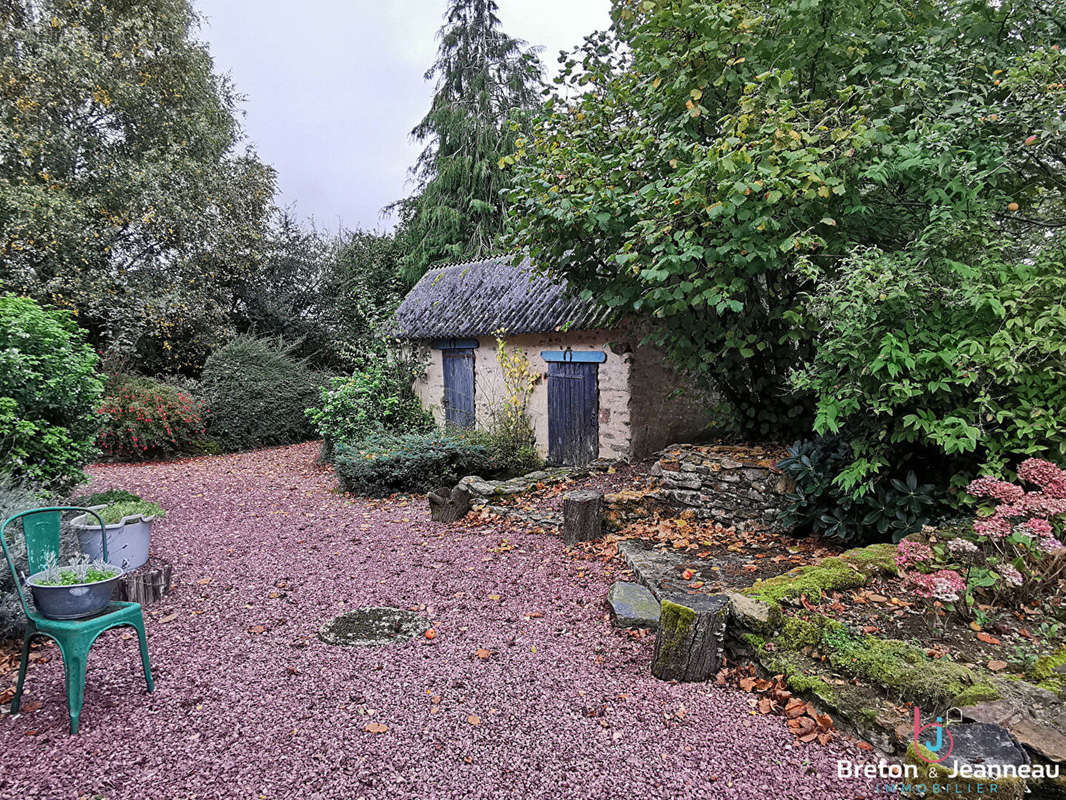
[519,378]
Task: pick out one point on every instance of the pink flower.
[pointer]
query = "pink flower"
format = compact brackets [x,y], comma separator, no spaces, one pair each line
[1044,474]
[995,527]
[1049,544]
[909,552]
[996,489]
[960,546]
[1038,527]
[945,585]
[1010,574]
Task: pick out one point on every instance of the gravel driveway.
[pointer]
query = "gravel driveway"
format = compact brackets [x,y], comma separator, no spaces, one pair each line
[250,704]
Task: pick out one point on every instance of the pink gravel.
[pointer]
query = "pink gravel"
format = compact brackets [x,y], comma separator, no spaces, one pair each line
[567,705]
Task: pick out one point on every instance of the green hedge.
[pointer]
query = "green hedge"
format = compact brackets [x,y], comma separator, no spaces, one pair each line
[256,395]
[383,464]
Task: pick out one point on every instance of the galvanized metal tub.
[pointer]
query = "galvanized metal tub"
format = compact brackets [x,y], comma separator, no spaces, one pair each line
[71,602]
[127,539]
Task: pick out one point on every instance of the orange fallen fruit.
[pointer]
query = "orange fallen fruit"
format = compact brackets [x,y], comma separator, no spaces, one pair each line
[431,633]
[687,574]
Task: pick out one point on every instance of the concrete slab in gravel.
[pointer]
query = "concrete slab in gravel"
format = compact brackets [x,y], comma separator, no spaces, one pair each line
[633,606]
[660,570]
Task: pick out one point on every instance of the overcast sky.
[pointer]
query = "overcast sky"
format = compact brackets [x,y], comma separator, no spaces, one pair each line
[333,87]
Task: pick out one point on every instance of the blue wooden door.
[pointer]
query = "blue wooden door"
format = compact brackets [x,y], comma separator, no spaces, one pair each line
[573,412]
[458,387]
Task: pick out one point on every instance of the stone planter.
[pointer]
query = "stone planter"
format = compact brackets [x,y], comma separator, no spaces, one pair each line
[127,539]
[71,602]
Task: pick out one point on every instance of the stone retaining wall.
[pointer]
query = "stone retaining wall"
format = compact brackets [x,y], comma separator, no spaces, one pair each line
[735,486]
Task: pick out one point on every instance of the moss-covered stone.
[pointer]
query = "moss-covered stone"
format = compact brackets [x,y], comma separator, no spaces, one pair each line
[936,775]
[902,669]
[832,574]
[978,693]
[1044,674]
[797,632]
[873,560]
[800,676]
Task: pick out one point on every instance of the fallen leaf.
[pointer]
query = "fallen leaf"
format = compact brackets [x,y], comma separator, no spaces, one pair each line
[168,618]
[255,628]
[987,638]
[483,654]
[997,666]
[375,727]
[795,708]
[474,719]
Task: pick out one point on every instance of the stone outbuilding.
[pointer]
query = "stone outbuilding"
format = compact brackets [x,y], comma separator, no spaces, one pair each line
[601,391]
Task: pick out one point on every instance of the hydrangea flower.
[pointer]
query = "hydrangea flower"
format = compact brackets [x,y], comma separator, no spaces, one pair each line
[1038,527]
[995,527]
[1049,544]
[908,553]
[1044,474]
[1010,574]
[960,546]
[945,585]
[996,489]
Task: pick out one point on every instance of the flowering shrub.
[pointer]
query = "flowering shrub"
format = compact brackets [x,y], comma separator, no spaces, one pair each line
[1013,551]
[143,418]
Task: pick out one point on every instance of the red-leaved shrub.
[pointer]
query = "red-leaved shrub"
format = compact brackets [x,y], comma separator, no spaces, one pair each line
[142,418]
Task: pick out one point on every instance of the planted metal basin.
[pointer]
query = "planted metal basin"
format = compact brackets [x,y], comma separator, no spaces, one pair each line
[127,540]
[71,602]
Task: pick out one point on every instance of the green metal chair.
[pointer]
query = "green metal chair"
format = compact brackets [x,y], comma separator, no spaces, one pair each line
[40,527]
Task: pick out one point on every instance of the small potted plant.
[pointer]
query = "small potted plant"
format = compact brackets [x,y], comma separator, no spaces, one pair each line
[127,524]
[79,590]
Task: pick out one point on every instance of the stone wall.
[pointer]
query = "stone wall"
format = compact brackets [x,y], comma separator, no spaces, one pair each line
[663,406]
[735,486]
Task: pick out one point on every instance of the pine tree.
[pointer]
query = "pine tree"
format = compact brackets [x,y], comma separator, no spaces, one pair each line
[485,81]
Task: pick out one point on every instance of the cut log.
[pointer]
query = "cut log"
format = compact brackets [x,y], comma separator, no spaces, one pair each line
[448,505]
[582,516]
[688,646]
[146,584]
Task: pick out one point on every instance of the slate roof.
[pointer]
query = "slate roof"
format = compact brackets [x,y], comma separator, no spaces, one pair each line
[482,297]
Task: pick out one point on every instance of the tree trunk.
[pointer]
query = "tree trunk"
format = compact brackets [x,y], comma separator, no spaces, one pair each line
[448,505]
[688,646]
[582,516]
[146,584]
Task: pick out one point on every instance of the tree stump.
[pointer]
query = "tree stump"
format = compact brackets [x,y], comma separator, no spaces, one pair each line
[688,646]
[146,584]
[448,505]
[582,516]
